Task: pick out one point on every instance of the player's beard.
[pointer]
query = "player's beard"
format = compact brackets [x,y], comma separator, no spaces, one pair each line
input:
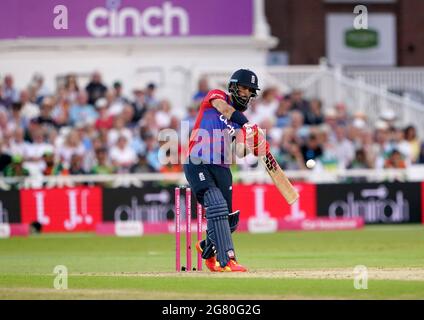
[240,103]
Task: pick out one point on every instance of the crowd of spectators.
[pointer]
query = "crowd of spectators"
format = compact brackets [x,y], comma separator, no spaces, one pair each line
[79,130]
[300,130]
[96,129]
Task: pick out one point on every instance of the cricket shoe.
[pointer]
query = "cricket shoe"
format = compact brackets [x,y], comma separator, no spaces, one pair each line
[211,262]
[233,266]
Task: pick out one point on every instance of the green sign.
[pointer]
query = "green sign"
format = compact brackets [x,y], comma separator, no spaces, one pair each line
[361,39]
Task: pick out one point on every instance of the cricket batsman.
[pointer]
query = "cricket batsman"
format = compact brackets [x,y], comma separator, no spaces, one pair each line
[219,123]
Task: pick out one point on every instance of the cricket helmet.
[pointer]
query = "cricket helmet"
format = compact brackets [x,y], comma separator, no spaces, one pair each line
[246,78]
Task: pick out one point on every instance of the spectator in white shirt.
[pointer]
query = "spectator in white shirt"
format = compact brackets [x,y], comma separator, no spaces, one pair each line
[34,156]
[117,101]
[29,109]
[18,146]
[118,129]
[72,145]
[343,148]
[267,105]
[163,114]
[123,157]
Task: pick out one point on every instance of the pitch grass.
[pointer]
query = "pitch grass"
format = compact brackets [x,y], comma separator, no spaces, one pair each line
[143,268]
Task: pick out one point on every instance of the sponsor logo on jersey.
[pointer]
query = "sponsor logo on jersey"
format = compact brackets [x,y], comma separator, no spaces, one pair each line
[231,128]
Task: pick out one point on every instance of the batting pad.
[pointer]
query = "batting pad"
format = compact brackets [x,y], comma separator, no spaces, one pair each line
[207,246]
[218,227]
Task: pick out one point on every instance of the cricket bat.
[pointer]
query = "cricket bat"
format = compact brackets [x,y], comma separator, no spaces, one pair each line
[279,178]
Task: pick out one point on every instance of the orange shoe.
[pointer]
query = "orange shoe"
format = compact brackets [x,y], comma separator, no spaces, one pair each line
[211,262]
[233,266]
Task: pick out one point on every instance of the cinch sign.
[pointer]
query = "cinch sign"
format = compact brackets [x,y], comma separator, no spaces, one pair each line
[124,18]
[153,21]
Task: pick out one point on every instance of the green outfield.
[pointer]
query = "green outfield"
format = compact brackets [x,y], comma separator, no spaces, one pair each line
[285,265]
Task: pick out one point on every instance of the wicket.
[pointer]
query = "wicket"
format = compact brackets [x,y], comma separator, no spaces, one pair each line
[199,212]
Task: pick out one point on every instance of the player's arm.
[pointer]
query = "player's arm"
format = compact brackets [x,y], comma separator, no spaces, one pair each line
[230,112]
[223,107]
